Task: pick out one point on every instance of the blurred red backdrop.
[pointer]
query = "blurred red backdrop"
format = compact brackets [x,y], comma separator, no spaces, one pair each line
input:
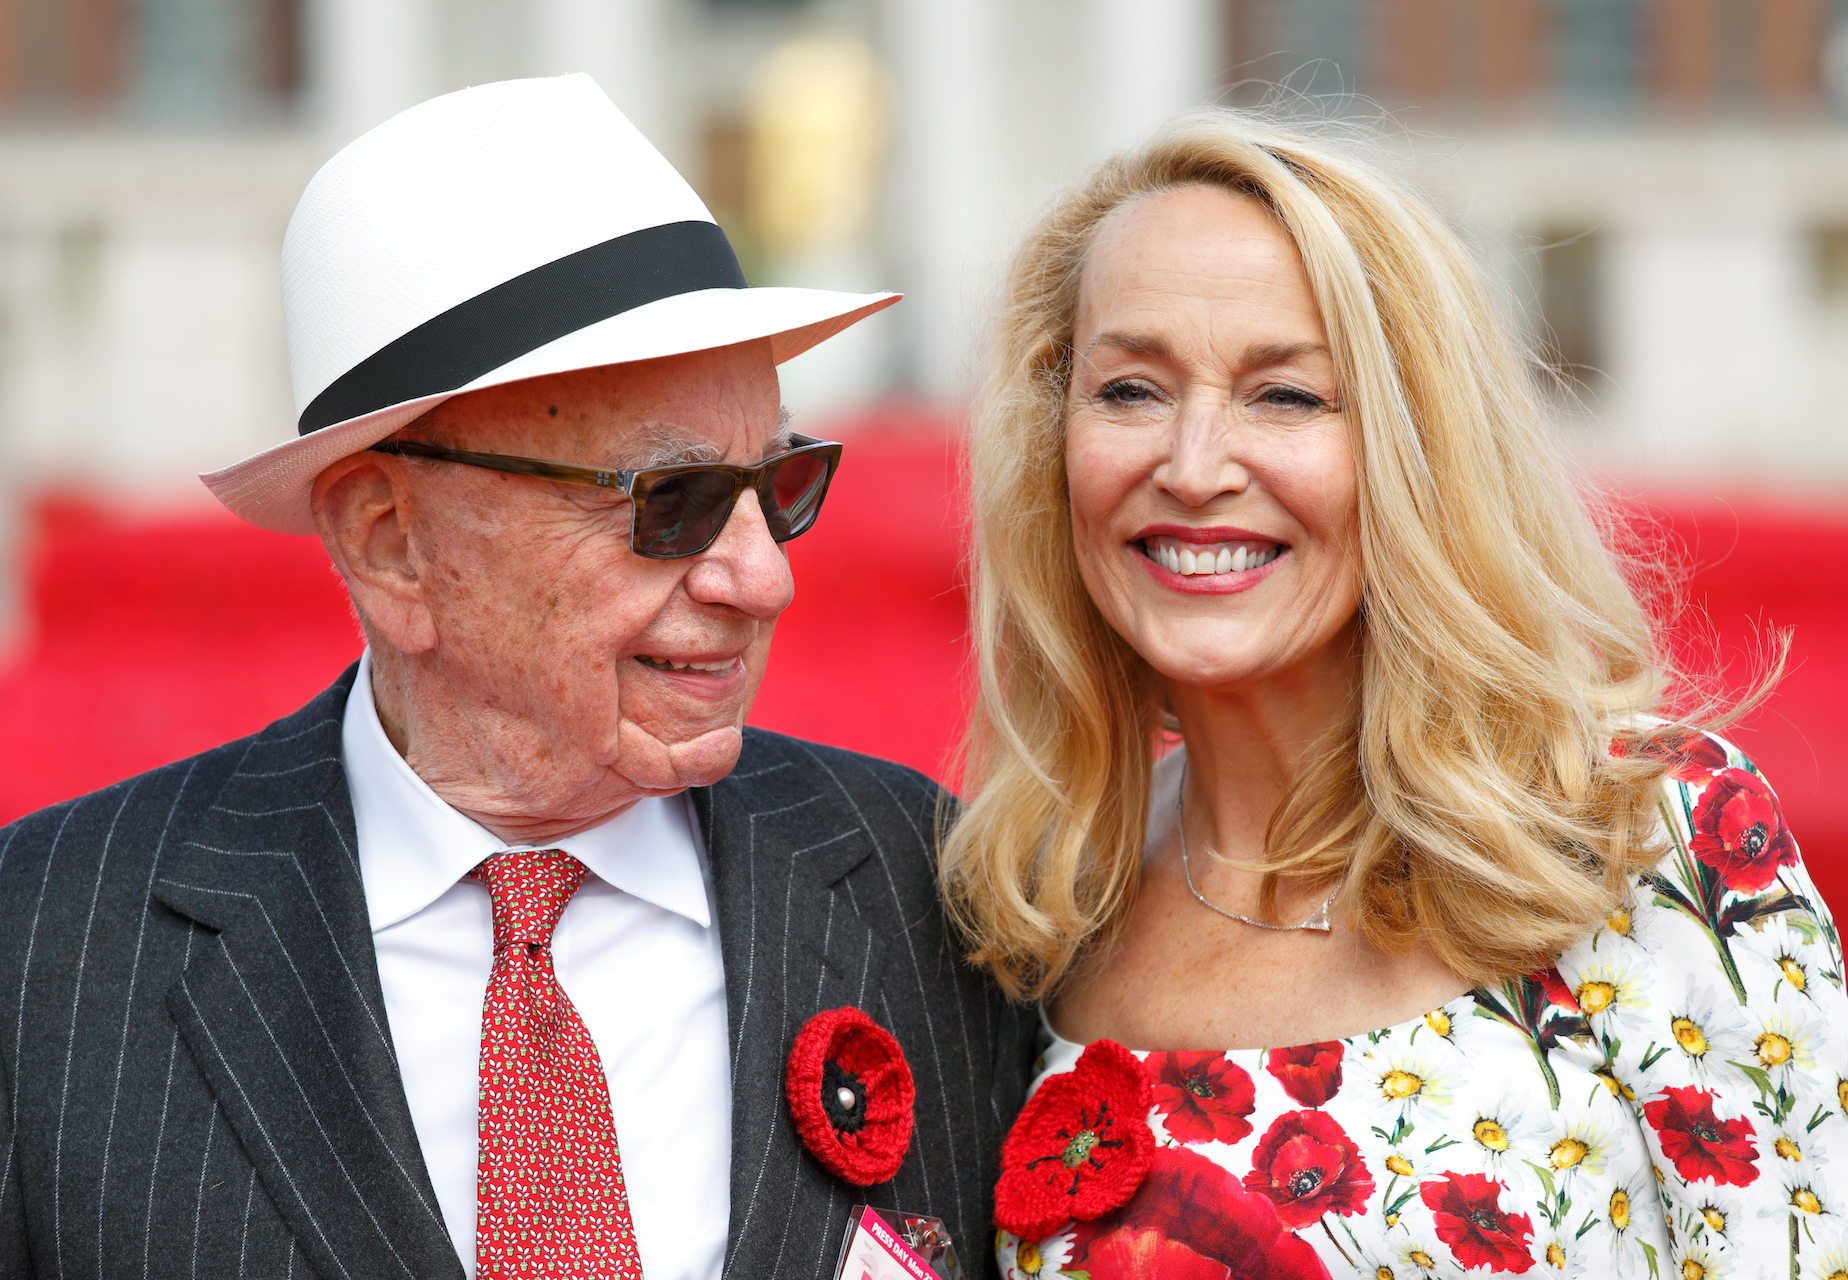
[153,638]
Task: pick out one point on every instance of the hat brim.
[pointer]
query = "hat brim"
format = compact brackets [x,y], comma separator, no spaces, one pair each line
[270,489]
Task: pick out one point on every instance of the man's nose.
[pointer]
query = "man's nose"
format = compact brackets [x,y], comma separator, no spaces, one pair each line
[744,567]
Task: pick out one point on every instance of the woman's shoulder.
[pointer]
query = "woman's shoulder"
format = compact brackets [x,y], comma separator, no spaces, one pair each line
[1723,823]
[1730,884]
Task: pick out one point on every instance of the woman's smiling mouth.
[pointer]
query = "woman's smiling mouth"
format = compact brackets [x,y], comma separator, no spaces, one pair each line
[1209,559]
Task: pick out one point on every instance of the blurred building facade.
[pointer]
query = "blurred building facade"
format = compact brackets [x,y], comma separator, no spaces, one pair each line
[1663,184]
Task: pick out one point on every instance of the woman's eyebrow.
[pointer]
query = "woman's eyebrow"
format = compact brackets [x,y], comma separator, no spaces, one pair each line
[1156,346]
[1135,344]
[1281,352]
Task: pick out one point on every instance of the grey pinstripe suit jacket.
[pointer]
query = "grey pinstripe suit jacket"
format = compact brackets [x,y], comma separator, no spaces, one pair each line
[199,1079]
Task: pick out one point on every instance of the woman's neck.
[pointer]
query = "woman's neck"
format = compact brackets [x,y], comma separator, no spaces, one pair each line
[1247,744]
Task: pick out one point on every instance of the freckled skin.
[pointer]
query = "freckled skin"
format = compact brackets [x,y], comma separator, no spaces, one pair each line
[1223,409]
[506,613]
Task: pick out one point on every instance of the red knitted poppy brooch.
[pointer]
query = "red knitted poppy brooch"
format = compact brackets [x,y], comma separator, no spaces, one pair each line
[850,1092]
[1081,1146]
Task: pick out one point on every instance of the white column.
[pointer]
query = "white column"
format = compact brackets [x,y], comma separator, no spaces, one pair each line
[617,42]
[944,219]
[1713,356]
[1138,64]
[369,60]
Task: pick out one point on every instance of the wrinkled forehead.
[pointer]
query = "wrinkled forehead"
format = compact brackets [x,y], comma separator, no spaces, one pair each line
[717,406]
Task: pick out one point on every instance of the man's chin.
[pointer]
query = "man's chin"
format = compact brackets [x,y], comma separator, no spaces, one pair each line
[663,764]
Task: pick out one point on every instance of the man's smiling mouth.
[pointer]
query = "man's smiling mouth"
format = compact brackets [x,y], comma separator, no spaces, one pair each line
[705,668]
[1194,560]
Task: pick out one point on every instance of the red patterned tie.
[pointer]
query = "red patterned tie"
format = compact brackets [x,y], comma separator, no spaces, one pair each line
[549,1194]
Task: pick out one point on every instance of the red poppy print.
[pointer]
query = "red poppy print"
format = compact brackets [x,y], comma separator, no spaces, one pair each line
[1307,1167]
[1702,1147]
[1739,831]
[1469,1218]
[1080,1146]
[1136,1255]
[1309,1073]
[1192,1219]
[1691,757]
[1202,1097]
[1555,988]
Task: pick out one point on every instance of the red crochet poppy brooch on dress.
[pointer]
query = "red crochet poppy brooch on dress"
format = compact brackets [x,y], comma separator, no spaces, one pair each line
[850,1092]
[1081,1146]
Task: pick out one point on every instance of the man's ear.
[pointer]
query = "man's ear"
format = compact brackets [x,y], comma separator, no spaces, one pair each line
[362,507]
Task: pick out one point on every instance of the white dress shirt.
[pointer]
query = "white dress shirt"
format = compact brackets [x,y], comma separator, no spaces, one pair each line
[636,950]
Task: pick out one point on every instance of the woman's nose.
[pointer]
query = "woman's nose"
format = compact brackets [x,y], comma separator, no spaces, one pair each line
[1204,458]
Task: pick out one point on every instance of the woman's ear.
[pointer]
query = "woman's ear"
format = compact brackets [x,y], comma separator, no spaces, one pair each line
[363,508]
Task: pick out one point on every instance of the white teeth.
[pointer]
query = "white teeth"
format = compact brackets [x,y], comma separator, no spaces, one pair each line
[1189,560]
[669,664]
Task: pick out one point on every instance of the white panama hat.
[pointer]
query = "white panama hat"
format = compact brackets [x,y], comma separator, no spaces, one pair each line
[503,232]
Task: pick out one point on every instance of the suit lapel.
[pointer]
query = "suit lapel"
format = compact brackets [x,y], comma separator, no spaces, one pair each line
[283,1012]
[793,945]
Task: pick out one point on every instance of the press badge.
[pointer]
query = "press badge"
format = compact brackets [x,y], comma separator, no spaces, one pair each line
[883,1244]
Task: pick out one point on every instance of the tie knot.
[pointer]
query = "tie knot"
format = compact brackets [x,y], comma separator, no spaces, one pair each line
[529,891]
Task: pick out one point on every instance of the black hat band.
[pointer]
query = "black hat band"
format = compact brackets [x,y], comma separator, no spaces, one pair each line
[489,330]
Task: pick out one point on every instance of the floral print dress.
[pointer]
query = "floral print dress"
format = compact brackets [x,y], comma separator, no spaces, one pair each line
[1670,1100]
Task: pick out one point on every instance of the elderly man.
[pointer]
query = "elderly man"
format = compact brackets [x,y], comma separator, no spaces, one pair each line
[490,959]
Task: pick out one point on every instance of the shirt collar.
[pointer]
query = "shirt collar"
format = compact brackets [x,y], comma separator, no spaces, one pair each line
[413,845]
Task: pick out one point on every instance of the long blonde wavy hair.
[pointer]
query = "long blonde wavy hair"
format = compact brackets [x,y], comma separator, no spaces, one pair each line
[1475,804]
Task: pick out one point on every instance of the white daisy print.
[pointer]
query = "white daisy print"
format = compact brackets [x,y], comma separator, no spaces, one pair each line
[1830,1262]
[1709,1035]
[1712,1214]
[1786,1043]
[1400,1171]
[1418,1257]
[1787,951]
[1799,1150]
[1701,1262]
[1613,995]
[1561,1254]
[1506,1133]
[1405,1085]
[1803,1195]
[1043,1259]
[1628,1213]
[1446,1024]
[1577,1148]
[1626,924]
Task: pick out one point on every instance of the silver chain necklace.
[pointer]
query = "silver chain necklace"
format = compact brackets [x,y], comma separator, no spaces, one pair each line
[1318,921]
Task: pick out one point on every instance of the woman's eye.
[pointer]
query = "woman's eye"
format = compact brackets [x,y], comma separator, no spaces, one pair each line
[1287,400]
[1126,392]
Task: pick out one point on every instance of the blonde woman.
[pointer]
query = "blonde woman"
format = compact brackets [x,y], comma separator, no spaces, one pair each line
[1430,948]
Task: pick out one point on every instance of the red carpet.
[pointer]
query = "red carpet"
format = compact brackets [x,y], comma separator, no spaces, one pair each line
[155,638]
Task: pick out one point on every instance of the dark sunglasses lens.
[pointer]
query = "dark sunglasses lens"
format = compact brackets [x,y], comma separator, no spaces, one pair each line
[683,513]
[791,495]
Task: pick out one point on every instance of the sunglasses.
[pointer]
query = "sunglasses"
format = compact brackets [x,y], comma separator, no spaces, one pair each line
[679,510]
